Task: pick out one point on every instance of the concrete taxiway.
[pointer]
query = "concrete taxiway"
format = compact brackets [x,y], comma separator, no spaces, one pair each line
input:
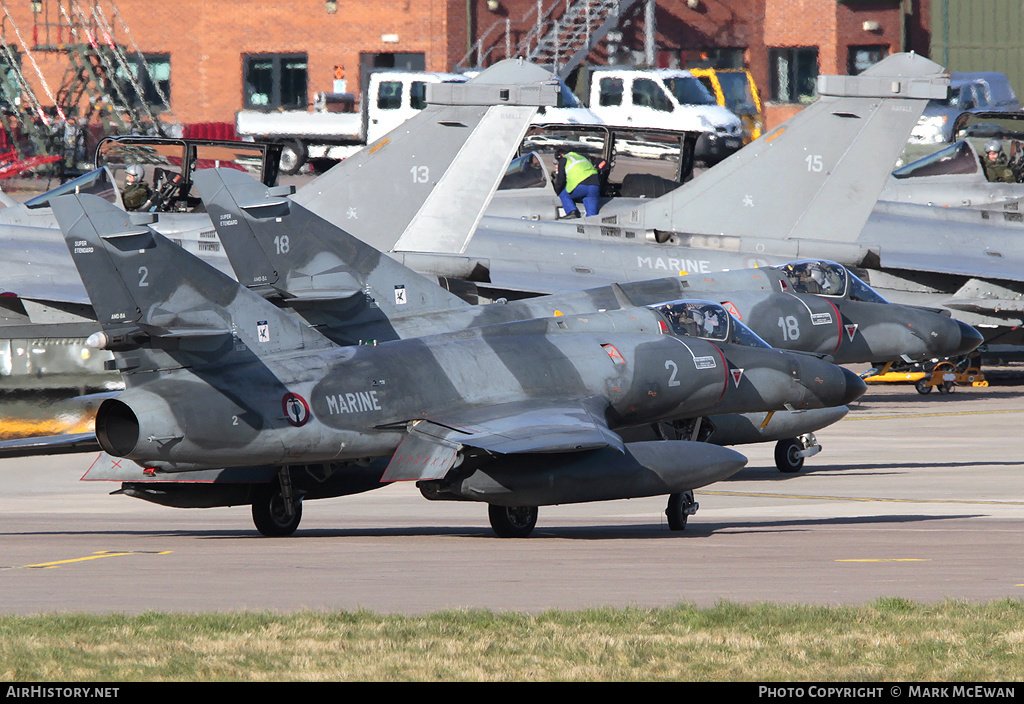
[913,496]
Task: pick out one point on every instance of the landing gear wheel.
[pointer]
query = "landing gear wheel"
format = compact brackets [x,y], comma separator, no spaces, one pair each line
[270,512]
[512,521]
[680,507]
[922,387]
[787,456]
[293,156]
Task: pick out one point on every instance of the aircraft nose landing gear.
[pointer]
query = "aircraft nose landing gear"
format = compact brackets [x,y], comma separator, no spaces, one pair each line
[791,453]
[680,507]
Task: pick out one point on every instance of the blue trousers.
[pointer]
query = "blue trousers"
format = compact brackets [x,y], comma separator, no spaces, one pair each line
[590,195]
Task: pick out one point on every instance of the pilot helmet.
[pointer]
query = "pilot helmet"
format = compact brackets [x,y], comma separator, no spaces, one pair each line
[135,172]
[994,145]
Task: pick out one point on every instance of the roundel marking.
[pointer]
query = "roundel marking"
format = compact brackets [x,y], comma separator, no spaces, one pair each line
[296,410]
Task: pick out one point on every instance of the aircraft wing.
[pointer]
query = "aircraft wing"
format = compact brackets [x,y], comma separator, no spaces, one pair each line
[958,241]
[431,447]
[49,445]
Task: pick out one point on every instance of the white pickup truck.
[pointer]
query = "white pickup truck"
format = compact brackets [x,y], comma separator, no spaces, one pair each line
[334,129]
[671,99]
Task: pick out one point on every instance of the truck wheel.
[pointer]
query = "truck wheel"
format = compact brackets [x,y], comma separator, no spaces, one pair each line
[293,156]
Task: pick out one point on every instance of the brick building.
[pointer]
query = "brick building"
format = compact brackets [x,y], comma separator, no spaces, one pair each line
[215,57]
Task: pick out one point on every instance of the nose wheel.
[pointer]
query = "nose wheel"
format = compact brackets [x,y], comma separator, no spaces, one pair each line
[790,453]
[680,507]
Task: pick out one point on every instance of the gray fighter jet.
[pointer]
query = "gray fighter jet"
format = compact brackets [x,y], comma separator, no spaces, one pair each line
[352,293]
[219,378]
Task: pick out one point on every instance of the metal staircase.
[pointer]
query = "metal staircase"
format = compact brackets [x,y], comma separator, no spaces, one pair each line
[559,36]
[101,92]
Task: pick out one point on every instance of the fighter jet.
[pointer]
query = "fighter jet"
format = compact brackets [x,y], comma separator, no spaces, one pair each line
[220,378]
[350,292]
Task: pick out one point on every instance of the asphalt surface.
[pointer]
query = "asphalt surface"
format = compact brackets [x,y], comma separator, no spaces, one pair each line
[913,496]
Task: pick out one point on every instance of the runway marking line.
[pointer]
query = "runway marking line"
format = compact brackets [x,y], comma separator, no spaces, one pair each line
[886,559]
[95,556]
[759,494]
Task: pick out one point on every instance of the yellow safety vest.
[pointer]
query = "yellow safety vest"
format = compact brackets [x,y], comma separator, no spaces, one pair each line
[577,169]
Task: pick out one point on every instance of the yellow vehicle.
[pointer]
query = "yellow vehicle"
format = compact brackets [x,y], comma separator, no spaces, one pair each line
[734,89]
[944,376]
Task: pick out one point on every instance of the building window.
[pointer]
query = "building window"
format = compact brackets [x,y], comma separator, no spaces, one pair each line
[274,81]
[794,74]
[862,58]
[150,81]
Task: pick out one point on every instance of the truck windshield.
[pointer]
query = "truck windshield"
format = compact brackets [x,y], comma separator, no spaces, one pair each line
[736,90]
[689,91]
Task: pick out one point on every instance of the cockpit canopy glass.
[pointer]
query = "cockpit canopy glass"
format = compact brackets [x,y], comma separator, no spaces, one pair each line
[525,171]
[708,321]
[955,159]
[96,182]
[825,278]
[818,277]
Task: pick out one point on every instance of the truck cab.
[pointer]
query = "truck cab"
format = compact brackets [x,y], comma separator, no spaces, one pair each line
[666,99]
[735,90]
[392,97]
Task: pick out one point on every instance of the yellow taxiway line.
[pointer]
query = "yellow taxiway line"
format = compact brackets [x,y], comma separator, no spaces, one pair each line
[96,556]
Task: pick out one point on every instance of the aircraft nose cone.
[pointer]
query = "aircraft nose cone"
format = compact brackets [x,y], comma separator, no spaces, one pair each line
[855,387]
[970,339]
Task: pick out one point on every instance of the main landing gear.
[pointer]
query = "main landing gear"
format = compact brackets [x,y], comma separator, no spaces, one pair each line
[512,521]
[519,521]
[276,510]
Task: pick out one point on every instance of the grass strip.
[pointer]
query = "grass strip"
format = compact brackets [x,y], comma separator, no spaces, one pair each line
[890,639]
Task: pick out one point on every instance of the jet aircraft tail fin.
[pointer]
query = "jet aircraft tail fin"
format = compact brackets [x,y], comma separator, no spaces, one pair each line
[283,251]
[818,172]
[434,175]
[160,305]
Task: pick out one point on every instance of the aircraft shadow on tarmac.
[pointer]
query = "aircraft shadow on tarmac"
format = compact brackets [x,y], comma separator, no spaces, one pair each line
[770,473]
[640,531]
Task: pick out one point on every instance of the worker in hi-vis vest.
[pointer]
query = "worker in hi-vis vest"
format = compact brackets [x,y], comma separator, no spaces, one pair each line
[576,179]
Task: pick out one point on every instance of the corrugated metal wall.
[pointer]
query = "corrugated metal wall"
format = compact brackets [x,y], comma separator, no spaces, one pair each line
[980,35]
